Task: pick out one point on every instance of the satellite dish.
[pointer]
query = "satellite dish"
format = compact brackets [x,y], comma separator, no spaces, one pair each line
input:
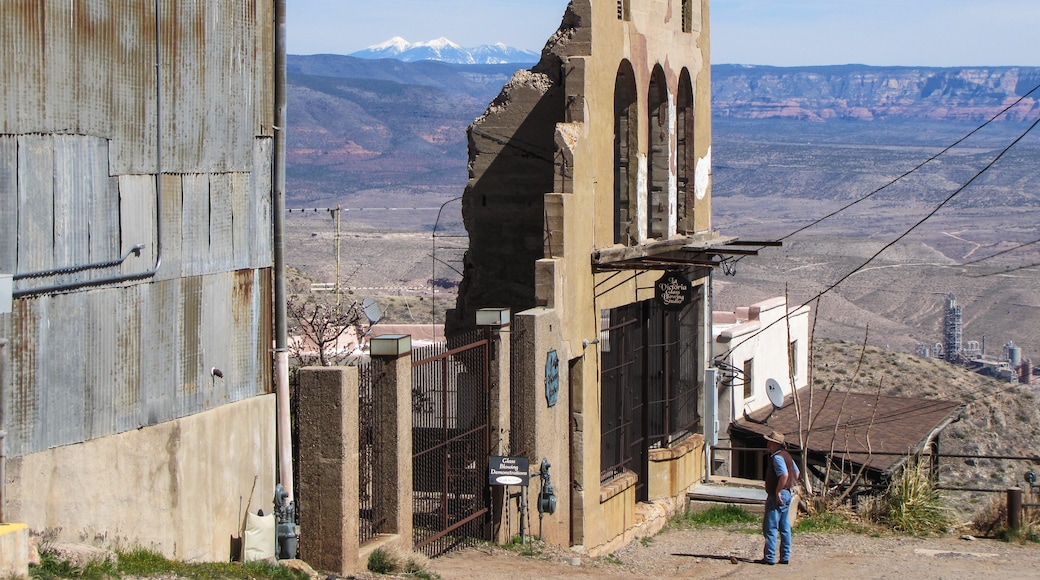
[775,394]
[371,310]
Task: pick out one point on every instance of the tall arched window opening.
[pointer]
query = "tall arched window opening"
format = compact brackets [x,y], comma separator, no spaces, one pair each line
[658,165]
[686,158]
[625,164]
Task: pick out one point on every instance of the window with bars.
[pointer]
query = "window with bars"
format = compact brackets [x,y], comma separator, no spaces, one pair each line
[650,384]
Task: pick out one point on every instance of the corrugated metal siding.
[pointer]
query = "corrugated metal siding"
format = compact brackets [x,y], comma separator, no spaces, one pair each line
[88,67]
[260,213]
[89,364]
[77,185]
[221,243]
[194,224]
[8,203]
[136,222]
[35,203]
[263,68]
[172,230]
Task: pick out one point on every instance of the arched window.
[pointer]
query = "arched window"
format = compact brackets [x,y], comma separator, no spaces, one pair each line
[625,163]
[658,165]
[685,155]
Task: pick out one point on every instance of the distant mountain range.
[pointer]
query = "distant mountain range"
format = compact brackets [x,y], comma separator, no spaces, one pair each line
[444,50]
[868,93]
[361,125]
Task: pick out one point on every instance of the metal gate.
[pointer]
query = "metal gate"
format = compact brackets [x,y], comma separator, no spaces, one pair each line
[450,440]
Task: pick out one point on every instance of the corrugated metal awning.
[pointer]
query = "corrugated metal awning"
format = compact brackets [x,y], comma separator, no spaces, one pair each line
[706,250]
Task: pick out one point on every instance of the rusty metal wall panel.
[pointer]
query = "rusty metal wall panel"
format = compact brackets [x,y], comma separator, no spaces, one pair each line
[21,33]
[221,241]
[138,226]
[241,221]
[261,250]
[72,204]
[172,229]
[208,116]
[160,366]
[215,345]
[103,193]
[8,203]
[189,395]
[22,407]
[194,224]
[35,202]
[129,64]
[263,71]
[245,313]
[88,67]
[60,362]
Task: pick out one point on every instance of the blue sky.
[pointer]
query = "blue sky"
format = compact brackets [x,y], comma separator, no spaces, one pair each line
[775,32]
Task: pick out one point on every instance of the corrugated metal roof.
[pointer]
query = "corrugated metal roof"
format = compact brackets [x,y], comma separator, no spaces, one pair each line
[856,423]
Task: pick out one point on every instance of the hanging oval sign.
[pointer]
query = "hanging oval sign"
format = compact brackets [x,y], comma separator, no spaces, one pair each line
[673,291]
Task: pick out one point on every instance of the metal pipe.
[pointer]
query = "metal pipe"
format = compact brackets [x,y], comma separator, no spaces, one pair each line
[136,251]
[281,350]
[3,433]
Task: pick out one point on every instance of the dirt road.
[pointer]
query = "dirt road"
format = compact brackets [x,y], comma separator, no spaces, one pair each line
[718,554]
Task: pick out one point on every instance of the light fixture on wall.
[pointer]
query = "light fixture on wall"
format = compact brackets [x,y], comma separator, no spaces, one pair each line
[586,342]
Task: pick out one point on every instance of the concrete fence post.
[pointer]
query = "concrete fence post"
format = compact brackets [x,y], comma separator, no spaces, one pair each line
[329,446]
[392,405]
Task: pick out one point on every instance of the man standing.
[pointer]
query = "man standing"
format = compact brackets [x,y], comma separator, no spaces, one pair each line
[781,475]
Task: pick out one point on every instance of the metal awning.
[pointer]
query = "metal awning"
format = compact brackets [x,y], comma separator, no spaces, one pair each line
[704,250]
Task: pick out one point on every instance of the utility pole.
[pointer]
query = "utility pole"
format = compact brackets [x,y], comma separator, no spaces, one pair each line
[334,212]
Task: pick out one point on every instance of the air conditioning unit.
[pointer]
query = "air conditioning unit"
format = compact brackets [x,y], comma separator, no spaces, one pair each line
[6,289]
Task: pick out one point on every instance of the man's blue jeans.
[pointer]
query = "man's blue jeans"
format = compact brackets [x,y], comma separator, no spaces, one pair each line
[776,521]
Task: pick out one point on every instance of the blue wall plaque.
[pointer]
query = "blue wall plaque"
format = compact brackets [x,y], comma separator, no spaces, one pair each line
[552,377]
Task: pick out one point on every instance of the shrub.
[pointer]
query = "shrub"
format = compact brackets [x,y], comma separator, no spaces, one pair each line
[381,562]
[912,504]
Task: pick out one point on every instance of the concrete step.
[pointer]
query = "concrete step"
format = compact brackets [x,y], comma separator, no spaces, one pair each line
[14,550]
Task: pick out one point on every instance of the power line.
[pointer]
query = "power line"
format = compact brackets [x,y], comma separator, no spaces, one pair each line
[898,238]
[914,169]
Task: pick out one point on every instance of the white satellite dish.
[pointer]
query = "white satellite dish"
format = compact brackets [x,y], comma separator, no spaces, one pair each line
[775,394]
[371,310]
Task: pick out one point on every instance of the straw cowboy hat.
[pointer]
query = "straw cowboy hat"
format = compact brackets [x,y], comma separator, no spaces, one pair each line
[776,437]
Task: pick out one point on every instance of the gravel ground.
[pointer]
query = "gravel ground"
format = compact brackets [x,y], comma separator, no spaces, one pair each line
[711,553]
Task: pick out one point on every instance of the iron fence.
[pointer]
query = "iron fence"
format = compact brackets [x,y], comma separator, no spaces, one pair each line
[450,443]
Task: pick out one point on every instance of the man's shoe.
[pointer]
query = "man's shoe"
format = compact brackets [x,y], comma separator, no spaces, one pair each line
[763,561]
[784,562]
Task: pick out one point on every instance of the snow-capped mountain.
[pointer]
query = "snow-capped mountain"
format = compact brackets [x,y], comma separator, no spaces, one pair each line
[445,50]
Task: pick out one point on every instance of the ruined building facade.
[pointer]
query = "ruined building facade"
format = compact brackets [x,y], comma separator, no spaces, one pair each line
[589,215]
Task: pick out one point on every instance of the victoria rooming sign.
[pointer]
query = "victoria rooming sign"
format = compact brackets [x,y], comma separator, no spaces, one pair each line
[673,291]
